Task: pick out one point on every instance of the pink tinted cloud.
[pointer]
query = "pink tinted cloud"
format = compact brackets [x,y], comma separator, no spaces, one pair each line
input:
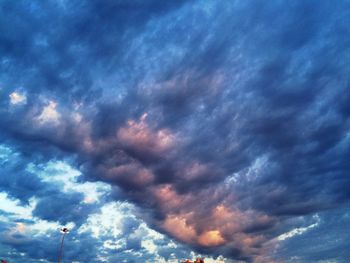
[132,173]
[140,136]
[200,222]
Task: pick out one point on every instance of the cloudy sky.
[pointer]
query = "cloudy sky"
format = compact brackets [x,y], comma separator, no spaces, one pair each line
[163,130]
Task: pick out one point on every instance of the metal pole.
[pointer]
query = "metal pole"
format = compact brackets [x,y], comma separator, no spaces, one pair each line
[61,249]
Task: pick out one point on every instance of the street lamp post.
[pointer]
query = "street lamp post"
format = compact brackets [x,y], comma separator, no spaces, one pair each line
[64,231]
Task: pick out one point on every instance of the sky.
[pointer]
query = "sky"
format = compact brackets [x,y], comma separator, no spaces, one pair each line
[163,130]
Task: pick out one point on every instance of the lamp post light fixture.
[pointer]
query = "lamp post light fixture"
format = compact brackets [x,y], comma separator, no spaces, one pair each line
[64,231]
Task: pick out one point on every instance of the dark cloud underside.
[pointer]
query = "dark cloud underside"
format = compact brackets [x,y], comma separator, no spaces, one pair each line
[227,120]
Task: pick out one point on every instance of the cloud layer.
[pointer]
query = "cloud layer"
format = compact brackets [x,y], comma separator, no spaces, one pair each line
[226,124]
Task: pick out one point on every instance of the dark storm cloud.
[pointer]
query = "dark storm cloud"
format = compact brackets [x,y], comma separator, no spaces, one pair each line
[64,208]
[53,204]
[223,119]
[45,247]
[19,183]
[48,42]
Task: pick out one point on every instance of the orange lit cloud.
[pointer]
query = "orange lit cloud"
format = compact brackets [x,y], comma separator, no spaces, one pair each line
[211,238]
[178,226]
